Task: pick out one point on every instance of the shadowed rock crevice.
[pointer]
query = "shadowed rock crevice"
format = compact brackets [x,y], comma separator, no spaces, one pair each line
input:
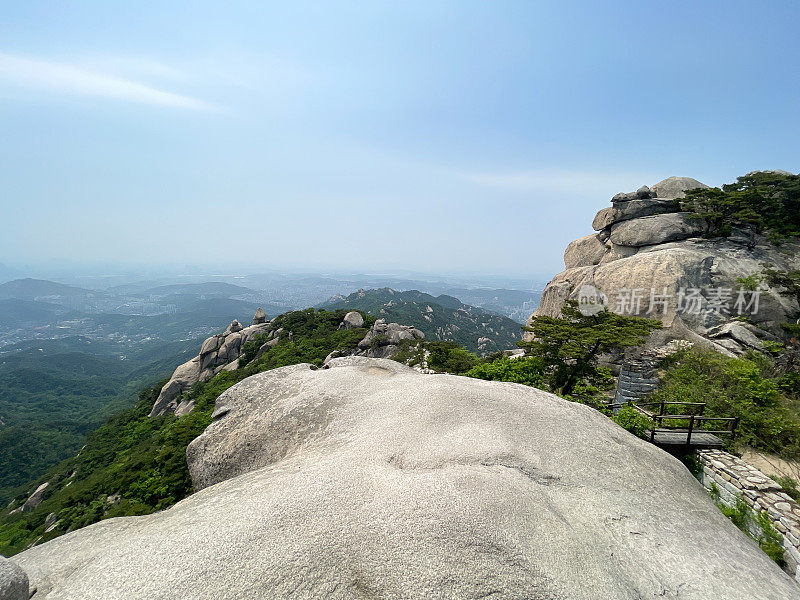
[510,462]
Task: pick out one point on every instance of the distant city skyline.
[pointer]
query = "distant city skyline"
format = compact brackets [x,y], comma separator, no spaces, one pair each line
[437,137]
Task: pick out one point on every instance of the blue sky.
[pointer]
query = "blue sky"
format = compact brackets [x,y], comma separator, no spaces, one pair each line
[435,136]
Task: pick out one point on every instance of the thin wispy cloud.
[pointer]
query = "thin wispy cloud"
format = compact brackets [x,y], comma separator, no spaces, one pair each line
[62,78]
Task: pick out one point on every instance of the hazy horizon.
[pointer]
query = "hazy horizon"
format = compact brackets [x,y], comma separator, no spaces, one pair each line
[445,137]
[93,277]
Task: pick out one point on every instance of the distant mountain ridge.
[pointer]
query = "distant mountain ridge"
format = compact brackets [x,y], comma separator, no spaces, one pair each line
[31,289]
[211,288]
[443,318]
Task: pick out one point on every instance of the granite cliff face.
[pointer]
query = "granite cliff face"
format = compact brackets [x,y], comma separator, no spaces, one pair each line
[648,258]
[367,479]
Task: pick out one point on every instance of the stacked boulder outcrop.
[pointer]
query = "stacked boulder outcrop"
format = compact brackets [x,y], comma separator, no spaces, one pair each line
[218,353]
[221,352]
[650,258]
[383,339]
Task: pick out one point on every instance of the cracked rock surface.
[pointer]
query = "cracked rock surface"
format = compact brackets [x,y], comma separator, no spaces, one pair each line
[367,479]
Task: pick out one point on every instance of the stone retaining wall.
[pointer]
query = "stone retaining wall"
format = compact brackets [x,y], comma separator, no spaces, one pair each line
[637,379]
[735,478]
[638,376]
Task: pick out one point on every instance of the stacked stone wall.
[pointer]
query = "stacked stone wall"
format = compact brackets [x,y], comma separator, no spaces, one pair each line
[734,478]
[637,379]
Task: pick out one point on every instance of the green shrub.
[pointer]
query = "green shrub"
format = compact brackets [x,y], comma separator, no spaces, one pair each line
[251,348]
[770,540]
[756,526]
[449,357]
[765,202]
[525,370]
[751,282]
[631,419]
[789,486]
[740,514]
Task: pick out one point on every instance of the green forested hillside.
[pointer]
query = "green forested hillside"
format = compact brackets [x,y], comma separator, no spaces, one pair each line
[16,313]
[441,318]
[135,464]
[52,396]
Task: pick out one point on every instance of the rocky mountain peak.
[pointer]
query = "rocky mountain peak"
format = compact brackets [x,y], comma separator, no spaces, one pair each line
[651,258]
[676,187]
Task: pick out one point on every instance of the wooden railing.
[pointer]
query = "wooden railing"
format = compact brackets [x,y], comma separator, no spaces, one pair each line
[693,415]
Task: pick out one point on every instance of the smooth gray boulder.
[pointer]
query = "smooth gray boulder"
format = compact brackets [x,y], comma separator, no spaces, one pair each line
[743,333]
[353,320]
[583,252]
[676,187]
[260,317]
[656,229]
[35,499]
[370,480]
[182,379]
[13,581]
[211,344]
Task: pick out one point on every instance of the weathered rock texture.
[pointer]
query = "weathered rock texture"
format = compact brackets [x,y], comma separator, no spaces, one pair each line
[352,320]
[733,479]
[655,229]
[219,352]
[645,246]
[370,480]
[13,581]
[676,187]
[384,339]
[34,500]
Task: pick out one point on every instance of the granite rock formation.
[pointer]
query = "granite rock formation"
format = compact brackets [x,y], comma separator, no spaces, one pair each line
[366,479]
[13,581]
[219,352]
[384,339]
[648,258]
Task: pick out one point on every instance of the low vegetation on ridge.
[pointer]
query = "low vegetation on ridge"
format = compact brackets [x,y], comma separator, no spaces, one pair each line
[134,464]
[768,202]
